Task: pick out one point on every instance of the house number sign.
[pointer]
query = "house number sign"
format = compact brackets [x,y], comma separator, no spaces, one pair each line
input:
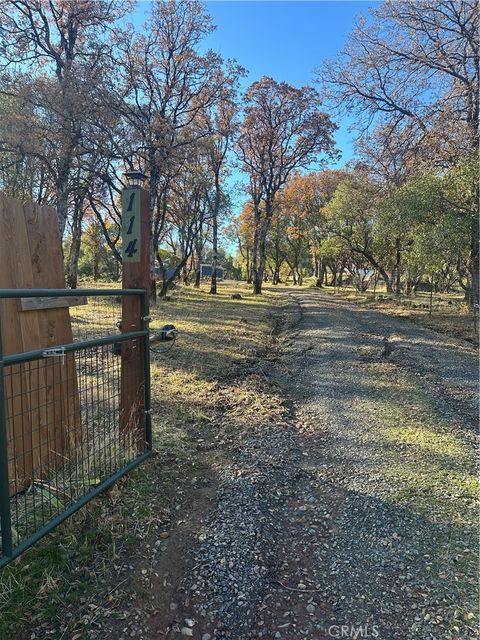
[131,240]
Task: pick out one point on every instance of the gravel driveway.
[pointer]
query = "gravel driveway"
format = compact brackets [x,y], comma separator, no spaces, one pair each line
[352,512]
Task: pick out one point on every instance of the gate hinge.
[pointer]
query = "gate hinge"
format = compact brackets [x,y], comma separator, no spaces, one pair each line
[55,352]
[146,318]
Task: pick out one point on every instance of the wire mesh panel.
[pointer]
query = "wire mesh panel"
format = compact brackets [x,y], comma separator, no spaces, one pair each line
[73,418]
[100,317]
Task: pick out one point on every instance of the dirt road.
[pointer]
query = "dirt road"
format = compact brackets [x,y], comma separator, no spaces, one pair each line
[331,493]
[353,513]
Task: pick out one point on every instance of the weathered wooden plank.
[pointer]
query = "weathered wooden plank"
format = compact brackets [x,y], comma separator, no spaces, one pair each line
[41,397]
[55,328]
[36,304]
[25,422]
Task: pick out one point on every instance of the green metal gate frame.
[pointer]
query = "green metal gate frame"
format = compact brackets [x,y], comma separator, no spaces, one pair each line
[9,549]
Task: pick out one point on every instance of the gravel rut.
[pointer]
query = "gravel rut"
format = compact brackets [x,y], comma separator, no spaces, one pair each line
[342,521]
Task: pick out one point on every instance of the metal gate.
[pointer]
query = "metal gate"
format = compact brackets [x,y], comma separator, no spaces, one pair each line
[73,417]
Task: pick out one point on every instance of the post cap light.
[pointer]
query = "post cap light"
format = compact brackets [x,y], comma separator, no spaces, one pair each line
[135,178]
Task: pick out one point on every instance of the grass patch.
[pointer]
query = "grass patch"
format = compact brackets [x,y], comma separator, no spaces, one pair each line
[75,561]
[450,315]
[214,331]
[431,466]
[428,440]
[429,471]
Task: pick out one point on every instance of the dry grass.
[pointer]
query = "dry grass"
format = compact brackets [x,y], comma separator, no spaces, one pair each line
[216,334]
[450,315]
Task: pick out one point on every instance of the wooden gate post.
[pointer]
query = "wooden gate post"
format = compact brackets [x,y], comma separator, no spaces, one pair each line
[135,275]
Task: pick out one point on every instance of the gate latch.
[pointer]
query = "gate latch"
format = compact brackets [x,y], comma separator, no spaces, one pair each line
[55,352]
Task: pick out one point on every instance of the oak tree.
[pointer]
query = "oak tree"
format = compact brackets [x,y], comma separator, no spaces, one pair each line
[414,66]
[282,130]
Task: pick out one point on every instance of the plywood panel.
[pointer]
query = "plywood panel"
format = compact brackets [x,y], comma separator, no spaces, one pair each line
[14,268]
[55,327]
[43,412]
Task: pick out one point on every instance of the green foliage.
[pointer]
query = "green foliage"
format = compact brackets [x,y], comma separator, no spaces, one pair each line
[352,205]
[416,202]
[96,260]
[427,215]
[352,214]
[333,248]
[169,258]
[460,187]
[428,218]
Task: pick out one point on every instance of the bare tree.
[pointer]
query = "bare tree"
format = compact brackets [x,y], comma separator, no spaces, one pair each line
[53,55]
[282,130]
[167,84]
[221,122]
[187,213]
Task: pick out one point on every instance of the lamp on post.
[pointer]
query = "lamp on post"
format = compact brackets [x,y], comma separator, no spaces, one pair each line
[135,178]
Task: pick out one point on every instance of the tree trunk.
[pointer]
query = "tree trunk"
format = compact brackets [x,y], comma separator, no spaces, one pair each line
[466,286]
[180,268]
[383,273]
[197,277]
[315,271]
[319,272]
[72,275]
[334,269]
[96,266]
[261,261]
[398,258]
[259,275]
[430,298]
[257,283]
[62,194]
[248,266]
[213,283]
[198,262]
[474,266]
[153,275]
[158,209]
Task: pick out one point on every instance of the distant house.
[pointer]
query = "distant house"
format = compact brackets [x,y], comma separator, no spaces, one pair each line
[206,271]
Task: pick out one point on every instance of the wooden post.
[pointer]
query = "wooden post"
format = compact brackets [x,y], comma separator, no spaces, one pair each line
[136,275]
